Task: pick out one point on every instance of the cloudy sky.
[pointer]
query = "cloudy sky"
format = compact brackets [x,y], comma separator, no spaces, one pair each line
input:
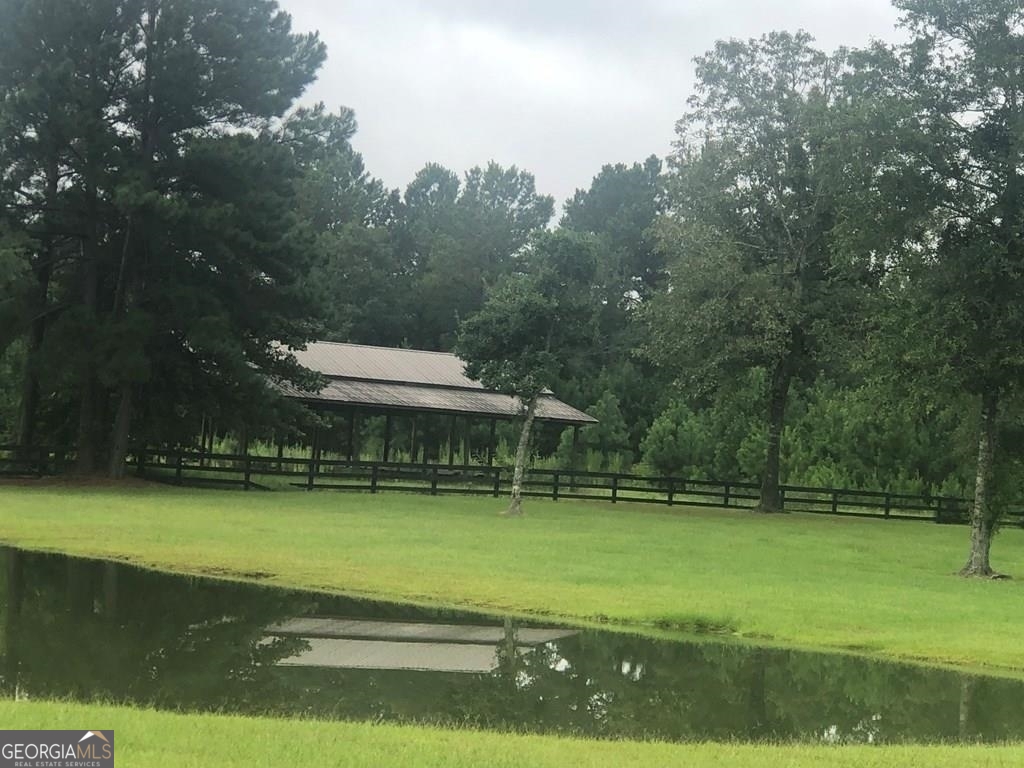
[558,87]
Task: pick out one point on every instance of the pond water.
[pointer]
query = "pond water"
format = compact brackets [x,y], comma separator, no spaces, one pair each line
[88,630]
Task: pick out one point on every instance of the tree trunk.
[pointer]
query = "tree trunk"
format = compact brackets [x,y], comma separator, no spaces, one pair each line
[119,437]
[42,270]
[28,415]
[983,518]
[515,506]
[85,464]
[89,389]
[771,496]
[30,388]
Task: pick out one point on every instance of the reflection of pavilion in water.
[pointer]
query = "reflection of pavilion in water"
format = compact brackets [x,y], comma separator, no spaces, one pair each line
[91,630]
[343,643]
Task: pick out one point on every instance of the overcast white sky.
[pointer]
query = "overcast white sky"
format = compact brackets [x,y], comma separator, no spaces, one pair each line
[557,87]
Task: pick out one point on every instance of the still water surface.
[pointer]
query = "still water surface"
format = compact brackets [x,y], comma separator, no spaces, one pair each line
[98,630]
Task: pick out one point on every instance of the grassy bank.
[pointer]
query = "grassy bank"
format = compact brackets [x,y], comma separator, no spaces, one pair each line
[149,739]
[881,587]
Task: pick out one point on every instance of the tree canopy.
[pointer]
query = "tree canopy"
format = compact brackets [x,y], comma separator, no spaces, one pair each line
[752,202]
[819,285]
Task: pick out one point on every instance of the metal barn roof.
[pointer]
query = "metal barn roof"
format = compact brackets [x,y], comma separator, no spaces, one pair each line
[385,378]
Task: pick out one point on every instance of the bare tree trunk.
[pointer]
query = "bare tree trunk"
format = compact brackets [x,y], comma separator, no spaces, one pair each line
[27,416]
[771,496]
[86,462]
[983,517]
[515,506]
[42,270]
[119,438]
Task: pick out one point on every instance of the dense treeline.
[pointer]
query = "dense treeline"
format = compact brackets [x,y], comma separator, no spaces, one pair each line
[819,286]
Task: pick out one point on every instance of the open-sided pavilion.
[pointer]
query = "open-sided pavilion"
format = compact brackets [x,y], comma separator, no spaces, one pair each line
[389,382]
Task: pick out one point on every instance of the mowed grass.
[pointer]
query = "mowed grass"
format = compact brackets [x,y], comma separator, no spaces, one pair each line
[884,588]
[150,739]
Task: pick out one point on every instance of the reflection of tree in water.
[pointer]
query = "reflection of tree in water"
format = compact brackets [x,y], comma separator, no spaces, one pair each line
[94,630]
[603,684]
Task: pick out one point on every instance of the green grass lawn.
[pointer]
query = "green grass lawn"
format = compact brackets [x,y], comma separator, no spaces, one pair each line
[880,587]
[885,588]
[165,740]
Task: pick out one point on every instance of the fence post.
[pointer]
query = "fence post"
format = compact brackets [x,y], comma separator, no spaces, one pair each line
[497,482]
[835,502]
[888,504]
[554,487]
[247,465]
[178,467]
[140,467]
[671,492]
[433,481]
[310,473]
[615,488]
[373,478]
[725,495]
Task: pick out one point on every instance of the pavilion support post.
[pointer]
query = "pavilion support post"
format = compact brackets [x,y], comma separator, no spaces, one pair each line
[246,464]
[425,440]
[467,436]
[313,451]
[280,452]
[243,440]
[351,441]
[202,441]
[452,436]
[413,446]
[387,438]
[574,457]
[490,443]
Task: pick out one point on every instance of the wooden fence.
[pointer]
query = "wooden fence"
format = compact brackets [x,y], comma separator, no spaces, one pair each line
[246,471]
[33,462]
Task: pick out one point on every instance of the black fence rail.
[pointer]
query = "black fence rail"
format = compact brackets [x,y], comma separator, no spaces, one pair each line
[247,471]
[34,461]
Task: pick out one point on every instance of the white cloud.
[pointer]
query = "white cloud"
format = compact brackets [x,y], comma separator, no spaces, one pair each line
[558,88]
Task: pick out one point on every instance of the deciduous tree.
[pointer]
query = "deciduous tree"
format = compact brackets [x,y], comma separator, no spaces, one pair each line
[752,204]
[959,86]
[530,322]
